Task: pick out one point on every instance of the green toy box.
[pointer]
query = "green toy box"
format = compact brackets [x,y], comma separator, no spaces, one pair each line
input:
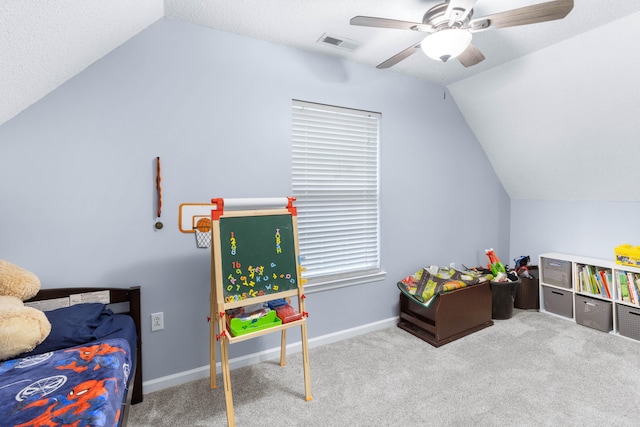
[241,327]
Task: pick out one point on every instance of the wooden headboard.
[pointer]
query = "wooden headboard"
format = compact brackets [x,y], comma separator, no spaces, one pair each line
[121,301]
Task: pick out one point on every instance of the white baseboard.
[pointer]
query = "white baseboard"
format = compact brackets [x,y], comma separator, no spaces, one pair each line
[273,353]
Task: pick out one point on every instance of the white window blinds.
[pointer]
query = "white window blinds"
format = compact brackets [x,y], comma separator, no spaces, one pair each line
[335,182]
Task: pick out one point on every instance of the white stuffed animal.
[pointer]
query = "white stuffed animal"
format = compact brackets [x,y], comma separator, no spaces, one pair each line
[21,328]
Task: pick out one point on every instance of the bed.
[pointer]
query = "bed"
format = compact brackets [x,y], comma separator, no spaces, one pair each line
[88,371]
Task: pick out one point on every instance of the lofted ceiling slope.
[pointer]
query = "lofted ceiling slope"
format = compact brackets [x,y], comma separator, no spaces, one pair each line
[549,105]
[560,123]
[45,43]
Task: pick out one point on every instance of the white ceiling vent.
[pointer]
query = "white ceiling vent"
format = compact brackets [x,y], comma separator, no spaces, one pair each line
[340,42]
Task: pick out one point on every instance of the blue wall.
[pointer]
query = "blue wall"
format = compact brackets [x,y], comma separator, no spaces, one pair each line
[77,176]
[591,229]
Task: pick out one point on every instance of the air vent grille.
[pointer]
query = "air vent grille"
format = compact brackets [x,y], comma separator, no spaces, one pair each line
[340,42]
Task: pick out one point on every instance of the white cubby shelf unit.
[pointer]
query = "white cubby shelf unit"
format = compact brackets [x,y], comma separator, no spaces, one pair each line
[591,292]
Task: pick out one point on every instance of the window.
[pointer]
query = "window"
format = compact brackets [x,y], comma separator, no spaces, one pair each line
[335,182]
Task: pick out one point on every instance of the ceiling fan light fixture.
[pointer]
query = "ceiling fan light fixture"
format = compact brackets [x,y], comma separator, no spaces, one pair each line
[446,44]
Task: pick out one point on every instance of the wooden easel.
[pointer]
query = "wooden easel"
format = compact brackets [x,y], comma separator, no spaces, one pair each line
[265,240]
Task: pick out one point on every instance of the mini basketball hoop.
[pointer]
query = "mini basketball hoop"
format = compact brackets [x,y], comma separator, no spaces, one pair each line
[203,233]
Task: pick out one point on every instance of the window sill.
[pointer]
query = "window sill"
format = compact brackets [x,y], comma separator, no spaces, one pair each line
[320,285]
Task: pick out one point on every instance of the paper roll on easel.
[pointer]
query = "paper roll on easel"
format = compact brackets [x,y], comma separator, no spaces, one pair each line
[255,203]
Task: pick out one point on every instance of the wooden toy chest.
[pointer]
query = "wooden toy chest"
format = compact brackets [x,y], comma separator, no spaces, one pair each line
[450,316]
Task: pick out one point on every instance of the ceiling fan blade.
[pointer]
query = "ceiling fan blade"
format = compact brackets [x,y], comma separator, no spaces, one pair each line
[399,57]
[370,21]
[459,9]
[541,12]
[471,56]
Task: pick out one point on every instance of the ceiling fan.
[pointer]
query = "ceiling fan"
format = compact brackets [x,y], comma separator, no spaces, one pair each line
[450,27]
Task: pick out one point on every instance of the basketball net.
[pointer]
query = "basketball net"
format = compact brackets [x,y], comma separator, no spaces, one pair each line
[203,233]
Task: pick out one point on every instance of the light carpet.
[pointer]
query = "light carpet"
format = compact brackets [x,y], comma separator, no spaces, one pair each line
[534,369]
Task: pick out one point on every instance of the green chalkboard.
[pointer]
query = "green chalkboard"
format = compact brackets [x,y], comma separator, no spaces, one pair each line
[258,256]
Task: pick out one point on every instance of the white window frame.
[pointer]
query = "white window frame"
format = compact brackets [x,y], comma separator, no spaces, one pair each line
[335,180]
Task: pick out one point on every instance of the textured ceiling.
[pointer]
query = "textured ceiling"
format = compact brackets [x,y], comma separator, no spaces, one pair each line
[300,23]
[555,94]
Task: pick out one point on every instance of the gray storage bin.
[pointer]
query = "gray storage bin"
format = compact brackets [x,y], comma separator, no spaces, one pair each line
[594,313]
[558,301]
[556,272]
[628,321]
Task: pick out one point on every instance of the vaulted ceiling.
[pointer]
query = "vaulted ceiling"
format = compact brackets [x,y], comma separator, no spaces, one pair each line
[554,104]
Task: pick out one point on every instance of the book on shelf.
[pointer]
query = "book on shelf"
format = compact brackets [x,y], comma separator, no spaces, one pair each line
[633,292]
[578,279]
[592,278]
[602,283]
[605,282]
[585,281]
[597,286]
[624,288]
[608,283]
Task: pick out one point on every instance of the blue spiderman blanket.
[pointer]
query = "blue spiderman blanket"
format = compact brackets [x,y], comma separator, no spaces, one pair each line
[78,386]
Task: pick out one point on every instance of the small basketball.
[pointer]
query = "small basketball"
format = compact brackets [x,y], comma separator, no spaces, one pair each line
[204,225]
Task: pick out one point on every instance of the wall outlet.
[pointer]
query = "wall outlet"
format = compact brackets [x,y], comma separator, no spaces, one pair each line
[157,321]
